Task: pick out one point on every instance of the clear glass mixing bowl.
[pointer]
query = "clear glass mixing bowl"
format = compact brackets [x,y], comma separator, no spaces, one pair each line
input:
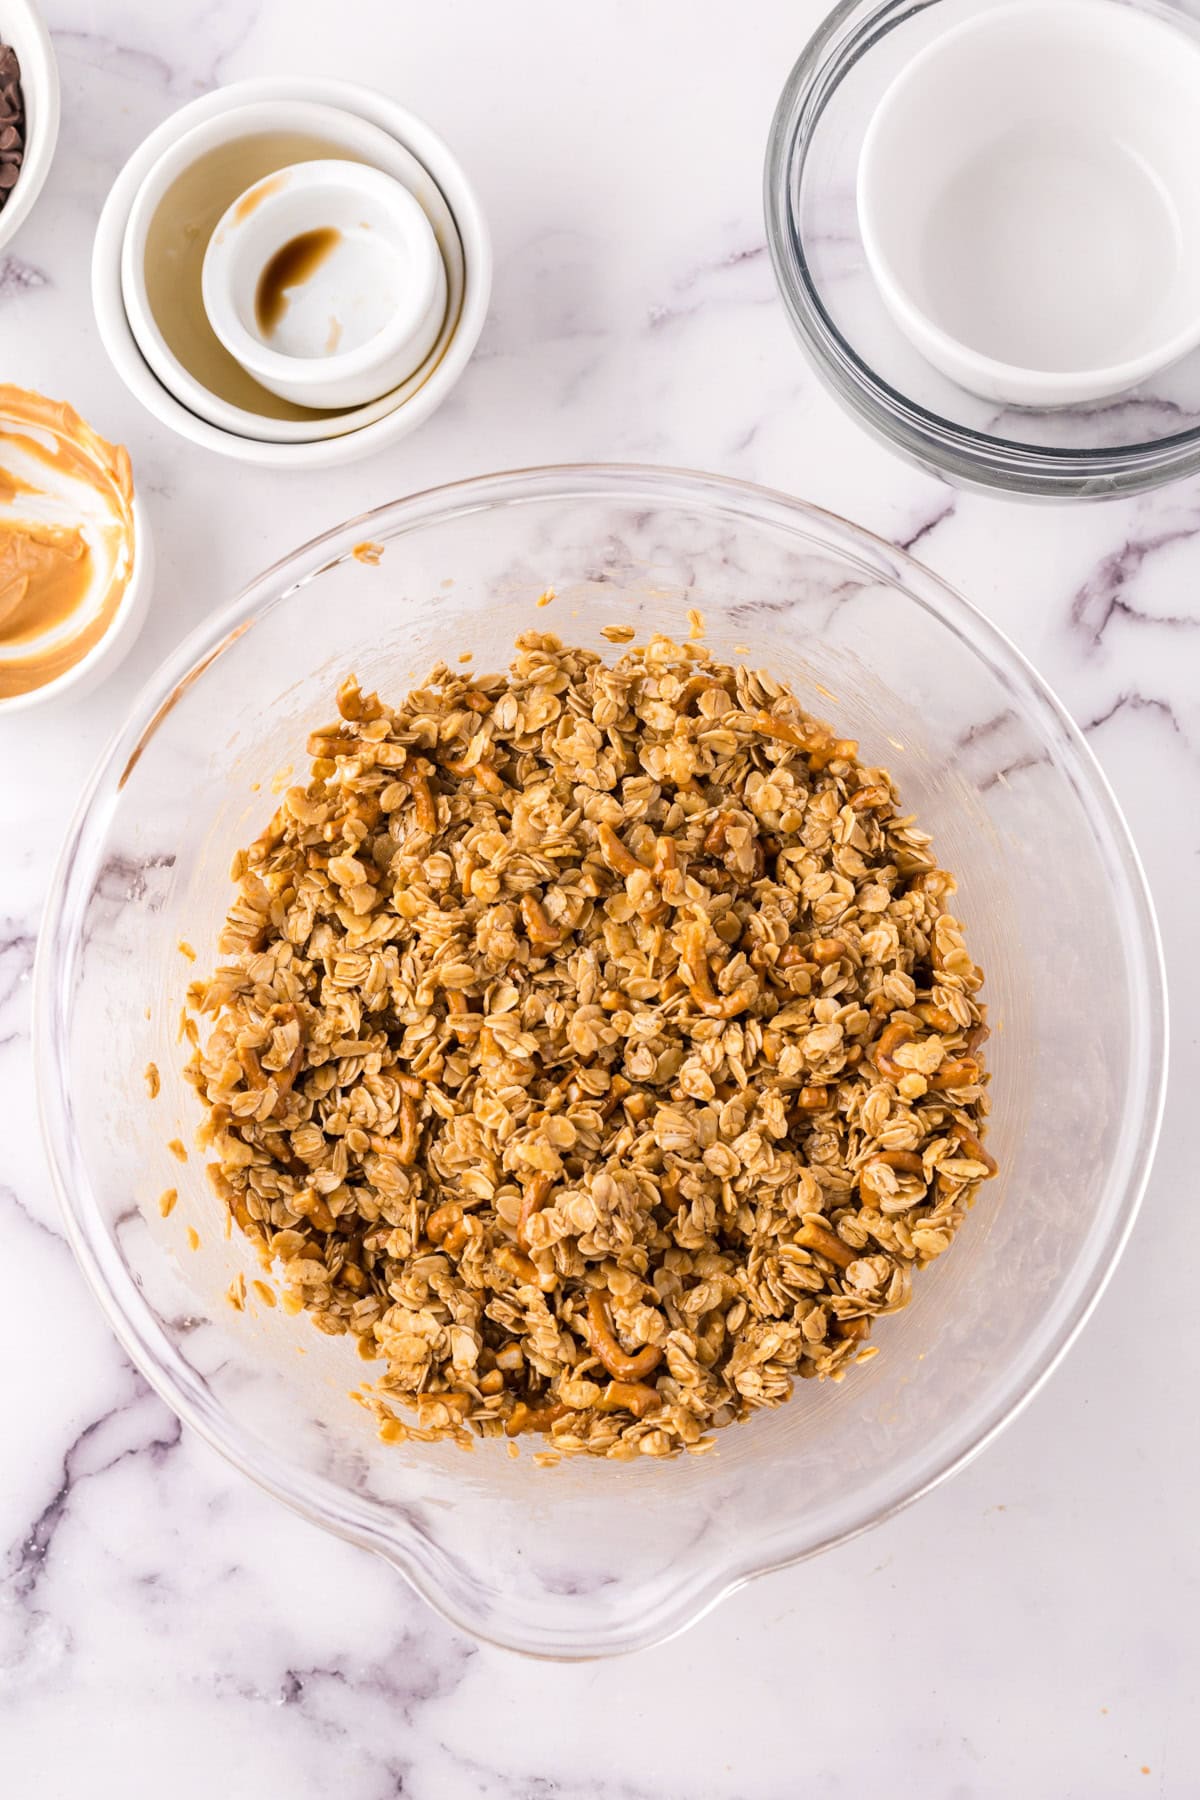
[589,1558]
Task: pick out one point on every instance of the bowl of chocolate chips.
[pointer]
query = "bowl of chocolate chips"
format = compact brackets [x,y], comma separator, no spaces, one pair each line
[29,109]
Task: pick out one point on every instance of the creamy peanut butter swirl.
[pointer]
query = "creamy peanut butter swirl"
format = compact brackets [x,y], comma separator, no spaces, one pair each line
[66,538]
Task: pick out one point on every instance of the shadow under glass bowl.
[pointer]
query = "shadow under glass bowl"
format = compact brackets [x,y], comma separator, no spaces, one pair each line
[1056,910]
[1093,450]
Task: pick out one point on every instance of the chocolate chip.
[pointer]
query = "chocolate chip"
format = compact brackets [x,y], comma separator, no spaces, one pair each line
[12,121]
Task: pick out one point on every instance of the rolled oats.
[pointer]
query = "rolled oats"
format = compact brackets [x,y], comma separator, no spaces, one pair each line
[593,1044]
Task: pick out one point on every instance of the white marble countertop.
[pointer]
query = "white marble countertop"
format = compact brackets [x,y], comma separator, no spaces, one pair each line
[1028,1629]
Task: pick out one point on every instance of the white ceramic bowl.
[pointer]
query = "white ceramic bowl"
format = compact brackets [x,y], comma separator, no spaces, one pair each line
[365,314]
[410,134]
[21,26]
[110,651]
[147,178]
[1028,200]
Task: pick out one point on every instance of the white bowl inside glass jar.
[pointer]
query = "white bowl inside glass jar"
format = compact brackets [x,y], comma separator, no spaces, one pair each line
[1028,202]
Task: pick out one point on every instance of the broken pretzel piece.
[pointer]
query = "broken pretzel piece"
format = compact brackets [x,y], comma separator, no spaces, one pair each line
[620,1363]
[619,858]
[629,1396]
[541,933]
[826,1243]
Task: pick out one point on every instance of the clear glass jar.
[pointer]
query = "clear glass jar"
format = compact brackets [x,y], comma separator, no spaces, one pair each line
[594,1557]
[1092,450]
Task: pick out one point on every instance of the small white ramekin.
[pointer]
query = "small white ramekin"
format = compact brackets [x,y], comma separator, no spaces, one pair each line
[21,26]
[384,236]
[110,651]
[1028,200]
[410,133]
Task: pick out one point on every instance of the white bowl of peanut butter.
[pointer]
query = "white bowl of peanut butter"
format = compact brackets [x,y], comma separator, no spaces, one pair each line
[75,556]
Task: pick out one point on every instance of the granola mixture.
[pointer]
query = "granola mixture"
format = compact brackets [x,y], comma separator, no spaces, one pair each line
[593,1043]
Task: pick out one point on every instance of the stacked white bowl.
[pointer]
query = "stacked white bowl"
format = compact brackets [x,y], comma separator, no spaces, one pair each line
[223,172]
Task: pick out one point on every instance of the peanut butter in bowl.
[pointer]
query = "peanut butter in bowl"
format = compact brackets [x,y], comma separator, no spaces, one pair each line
[71,548]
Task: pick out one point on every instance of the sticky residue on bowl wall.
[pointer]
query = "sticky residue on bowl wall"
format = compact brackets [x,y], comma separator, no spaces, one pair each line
[66,538]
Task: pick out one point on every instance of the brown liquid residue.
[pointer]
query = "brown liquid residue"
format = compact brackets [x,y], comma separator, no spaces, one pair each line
[292,265]
[253,200]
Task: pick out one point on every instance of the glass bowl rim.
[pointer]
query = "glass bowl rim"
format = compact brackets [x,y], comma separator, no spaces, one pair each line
[437,1576]
[994,463]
